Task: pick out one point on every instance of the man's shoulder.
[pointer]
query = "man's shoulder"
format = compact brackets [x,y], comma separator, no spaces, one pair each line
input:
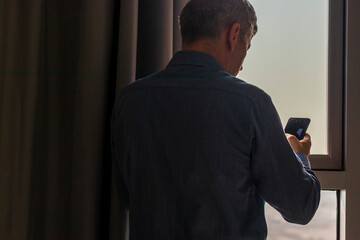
[240,87]
[210,81]
[137,84]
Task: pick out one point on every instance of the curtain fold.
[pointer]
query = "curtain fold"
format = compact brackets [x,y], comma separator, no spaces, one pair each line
[155,32]
[127,42]
[178,6]
[54,58]
[61,64]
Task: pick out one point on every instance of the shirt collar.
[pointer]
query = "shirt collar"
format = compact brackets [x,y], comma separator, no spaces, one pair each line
[186,57]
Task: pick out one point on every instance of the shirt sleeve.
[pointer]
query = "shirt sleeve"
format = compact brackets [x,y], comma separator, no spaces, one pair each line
[304,160]
[282,178]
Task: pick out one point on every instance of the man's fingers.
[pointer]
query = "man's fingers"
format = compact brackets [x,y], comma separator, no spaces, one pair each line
[306,138]
[300,146]
[288,135]
[292,140]
[306,141]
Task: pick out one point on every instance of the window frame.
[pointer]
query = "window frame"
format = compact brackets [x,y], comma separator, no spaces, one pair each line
[348,180]
[336,78]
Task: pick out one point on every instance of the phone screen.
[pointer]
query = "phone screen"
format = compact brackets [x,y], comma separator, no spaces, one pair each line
[297,127]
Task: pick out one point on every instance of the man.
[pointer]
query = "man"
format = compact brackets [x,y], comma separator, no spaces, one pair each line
[196,151]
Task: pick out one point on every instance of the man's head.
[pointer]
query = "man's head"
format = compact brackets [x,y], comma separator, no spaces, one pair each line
[223,28]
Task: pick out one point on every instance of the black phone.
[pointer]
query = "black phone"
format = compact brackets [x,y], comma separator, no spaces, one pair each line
[297,127]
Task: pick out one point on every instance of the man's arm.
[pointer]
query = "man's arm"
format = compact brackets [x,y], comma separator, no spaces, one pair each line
[122,191]
[282,178]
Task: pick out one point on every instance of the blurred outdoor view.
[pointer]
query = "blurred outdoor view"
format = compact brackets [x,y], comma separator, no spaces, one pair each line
[288,60]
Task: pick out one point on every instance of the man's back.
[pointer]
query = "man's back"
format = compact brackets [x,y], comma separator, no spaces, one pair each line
[194,159]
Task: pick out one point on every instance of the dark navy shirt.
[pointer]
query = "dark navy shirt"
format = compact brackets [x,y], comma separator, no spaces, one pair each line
[196,152]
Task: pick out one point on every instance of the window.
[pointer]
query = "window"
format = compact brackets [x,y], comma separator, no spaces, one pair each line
[297,58]
[322,227]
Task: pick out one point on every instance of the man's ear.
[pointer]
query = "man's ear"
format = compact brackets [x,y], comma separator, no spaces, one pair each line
[233,35]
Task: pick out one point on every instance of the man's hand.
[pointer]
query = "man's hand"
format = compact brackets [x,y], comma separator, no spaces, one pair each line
[302,146]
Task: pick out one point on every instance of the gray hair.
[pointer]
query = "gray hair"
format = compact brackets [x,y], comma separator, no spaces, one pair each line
[208,18]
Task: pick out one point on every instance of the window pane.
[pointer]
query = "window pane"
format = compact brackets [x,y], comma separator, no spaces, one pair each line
[288,59]
[321,227]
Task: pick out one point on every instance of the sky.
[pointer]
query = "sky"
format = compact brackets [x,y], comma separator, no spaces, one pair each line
[288,60]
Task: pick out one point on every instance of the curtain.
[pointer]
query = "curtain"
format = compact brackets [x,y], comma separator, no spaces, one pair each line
[61,64]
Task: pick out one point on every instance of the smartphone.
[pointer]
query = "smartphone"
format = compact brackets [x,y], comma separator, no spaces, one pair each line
[297,127]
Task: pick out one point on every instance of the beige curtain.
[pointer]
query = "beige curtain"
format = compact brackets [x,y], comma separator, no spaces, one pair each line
[61,64]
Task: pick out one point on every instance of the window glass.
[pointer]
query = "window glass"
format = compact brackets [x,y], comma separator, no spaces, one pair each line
[321,227]
[288,59]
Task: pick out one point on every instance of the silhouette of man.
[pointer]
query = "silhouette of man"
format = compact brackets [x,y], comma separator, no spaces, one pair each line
[196,151]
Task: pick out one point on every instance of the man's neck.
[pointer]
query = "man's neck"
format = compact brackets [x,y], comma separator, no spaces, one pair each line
[209,47]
